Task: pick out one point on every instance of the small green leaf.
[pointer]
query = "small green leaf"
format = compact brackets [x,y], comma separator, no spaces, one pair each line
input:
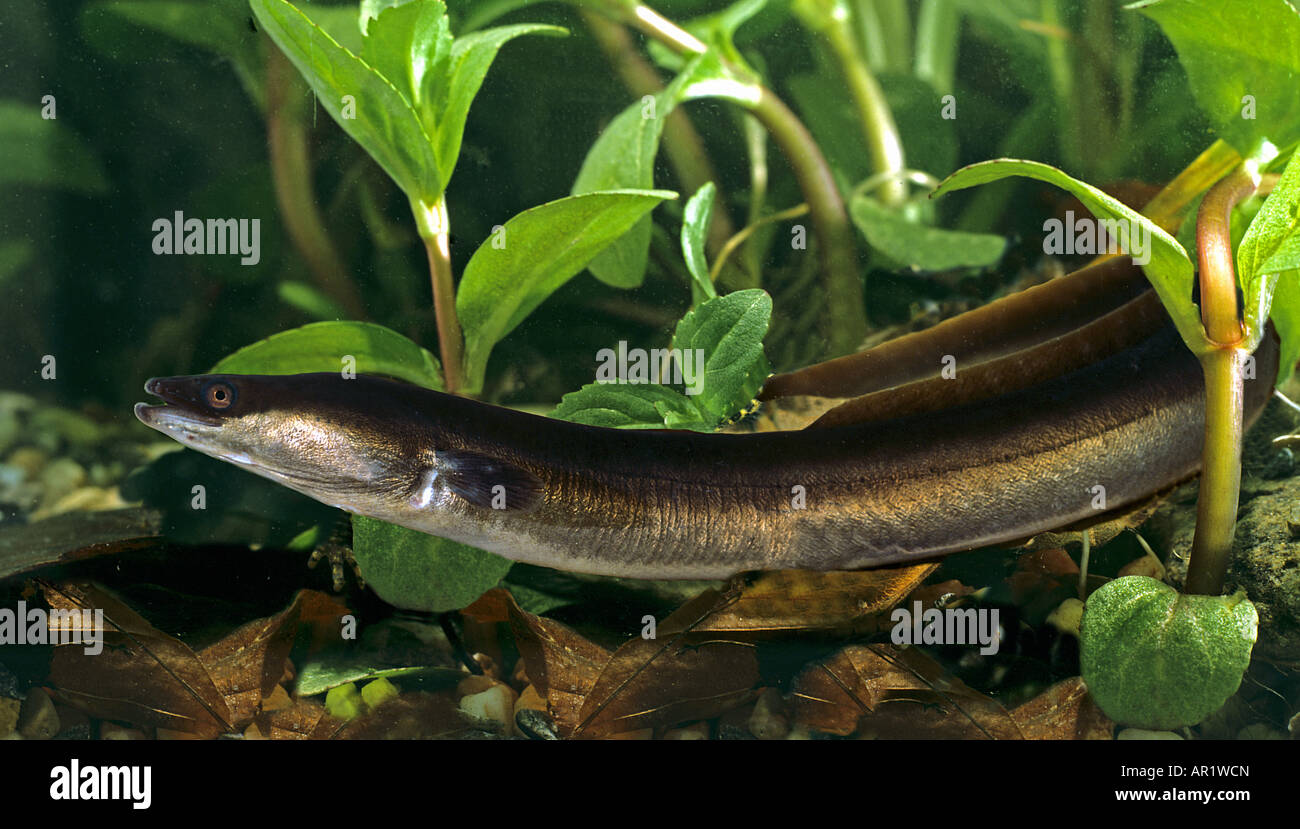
[410,45]
[730,331]
[378,117]
[920,247]
[695,228]
[471,57]
[45,153]
[1242,58]
[417,571]
[322,346]
[1155,658]
[540,250]
[624,156]
[1271,245]
[642,406]
[1285,314]
[1169,270]
[309,300]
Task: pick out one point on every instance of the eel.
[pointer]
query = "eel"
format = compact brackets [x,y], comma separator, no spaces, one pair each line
[1099,392]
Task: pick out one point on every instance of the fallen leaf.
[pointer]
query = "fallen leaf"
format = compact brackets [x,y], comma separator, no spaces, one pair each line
[894,693]
[1064,712]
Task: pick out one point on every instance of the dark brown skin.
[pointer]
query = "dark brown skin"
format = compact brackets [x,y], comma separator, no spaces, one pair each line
[897,483]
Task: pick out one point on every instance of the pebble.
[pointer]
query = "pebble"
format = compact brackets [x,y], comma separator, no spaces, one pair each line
[9,715]
[86,499]
[694,731]
[1067,616]
[495,705]
[535,724]
[60,477]
[29,459]
[113,731]
[1148,565]
[768,720]
[37,719]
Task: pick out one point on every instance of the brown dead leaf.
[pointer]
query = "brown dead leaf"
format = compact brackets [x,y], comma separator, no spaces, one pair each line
[305,719]
[675,677]
[1044,577]
[894,693]
[246,664]
[146,677]
[782,601]
[1064,712]
[561,664]
[142,675]
[417,715]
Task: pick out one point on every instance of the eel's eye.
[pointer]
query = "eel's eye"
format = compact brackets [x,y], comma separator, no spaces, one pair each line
[219,395]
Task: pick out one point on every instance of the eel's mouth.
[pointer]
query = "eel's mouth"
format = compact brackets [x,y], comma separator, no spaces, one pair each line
[179,411]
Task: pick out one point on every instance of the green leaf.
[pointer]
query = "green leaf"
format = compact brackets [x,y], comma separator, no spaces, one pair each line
[1271,245]
[417,571]
[642,406]
[730,330]
[309,300]
[410,45]
[1169,270]
[624,156]
[219,26]
[321,346]
[471,57]
[384,123]
[42,152]
[1155,658]
[920,247]
[1235,48]
[1285,314]
[695,228]
[543,248]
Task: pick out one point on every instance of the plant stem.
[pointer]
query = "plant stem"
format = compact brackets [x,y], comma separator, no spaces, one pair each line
[1166,209]
[1214,256]
[847,320]
[874,115]
[435,230]
[1221,362]
[1216,504]
[685,149]
[936,43]
[846,325]
[291,175]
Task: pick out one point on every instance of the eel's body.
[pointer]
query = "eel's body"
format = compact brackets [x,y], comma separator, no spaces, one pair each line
[895,484]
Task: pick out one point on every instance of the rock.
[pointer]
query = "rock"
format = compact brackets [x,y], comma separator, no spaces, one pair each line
[768,720]
[694,731]
[1265,557]
[530,700]
[113,731]
[535,724]
[37,719]
[1148,565]
[1259,731]
[474,684]
[1067,616]
[60,477]
[86,499]
[29,459]
[1145,734]
[496,705]
[9,709]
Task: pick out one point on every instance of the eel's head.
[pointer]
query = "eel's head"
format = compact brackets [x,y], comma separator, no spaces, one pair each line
[336,439]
